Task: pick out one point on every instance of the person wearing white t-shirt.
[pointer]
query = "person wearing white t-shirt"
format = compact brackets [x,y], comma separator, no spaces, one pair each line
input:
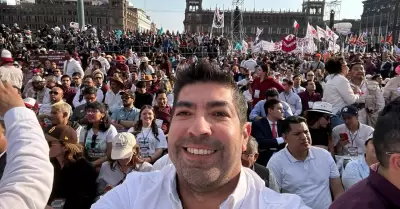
[151,139]
[302,169]
[349,138]
[97,136]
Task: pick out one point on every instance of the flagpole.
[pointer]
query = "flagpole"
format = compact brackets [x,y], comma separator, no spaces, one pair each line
[380,31]
[373,31]
[212,24]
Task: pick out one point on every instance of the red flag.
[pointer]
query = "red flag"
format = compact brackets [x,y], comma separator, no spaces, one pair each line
[289,43]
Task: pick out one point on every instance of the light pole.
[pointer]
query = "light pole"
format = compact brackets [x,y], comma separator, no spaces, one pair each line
[81,14]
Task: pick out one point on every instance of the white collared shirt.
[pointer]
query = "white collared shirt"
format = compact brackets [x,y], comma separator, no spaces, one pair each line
[309,178]
[155,190]
[280,140]
[71,66]
[338,92]
[113,100]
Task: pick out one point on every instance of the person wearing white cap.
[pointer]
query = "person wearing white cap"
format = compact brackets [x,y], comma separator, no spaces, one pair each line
[358,170]
[318,119]
[125,155]
[8,71]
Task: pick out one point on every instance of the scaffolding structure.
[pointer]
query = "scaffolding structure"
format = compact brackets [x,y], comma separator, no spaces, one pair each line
[333,5]
[237,30]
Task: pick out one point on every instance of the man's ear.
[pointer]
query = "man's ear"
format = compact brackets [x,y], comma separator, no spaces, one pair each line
[246,132]
[284,136]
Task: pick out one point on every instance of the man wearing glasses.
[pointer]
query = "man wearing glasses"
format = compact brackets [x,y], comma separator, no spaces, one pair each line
[56,95]
[126,116]
[249,158]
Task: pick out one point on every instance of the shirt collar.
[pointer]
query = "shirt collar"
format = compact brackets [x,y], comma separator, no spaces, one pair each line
[1,154]
[236,198]
[293,160]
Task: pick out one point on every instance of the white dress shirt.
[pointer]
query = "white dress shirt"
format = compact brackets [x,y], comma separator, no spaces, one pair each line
[279,140]
[113,100]
[28,177]
[161,163]
[71,66]
[155,190]
[338,92]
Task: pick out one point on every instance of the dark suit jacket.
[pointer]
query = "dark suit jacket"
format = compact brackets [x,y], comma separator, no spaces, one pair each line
[267,145]
[2,164]
[263,172]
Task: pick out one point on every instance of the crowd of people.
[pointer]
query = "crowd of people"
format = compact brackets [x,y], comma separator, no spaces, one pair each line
[230,132]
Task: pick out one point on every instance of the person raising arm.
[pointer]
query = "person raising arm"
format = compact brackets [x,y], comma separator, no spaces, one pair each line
[28,177]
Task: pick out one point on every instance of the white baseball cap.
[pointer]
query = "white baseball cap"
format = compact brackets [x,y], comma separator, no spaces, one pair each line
[122,146]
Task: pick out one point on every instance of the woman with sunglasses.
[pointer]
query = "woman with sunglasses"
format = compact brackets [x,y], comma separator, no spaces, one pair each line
[150,137]
[318,119]
[97,137]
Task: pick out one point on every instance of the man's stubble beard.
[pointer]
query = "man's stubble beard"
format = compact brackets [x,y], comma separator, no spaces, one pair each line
[198,178]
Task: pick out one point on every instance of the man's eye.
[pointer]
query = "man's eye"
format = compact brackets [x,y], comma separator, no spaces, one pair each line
[220,114]
[183,113]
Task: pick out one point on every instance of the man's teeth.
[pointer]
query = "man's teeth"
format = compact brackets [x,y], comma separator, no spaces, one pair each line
[200,151]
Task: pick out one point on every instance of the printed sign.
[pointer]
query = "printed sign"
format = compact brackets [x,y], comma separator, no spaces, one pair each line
[57,57]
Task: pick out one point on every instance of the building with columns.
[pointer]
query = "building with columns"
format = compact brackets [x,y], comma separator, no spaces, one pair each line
[276,24]
[379,18]
[108,14]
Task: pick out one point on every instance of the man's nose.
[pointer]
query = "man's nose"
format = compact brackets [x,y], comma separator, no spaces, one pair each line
[200,126]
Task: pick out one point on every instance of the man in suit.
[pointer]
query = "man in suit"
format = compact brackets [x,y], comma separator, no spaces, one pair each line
[267,131]
[249,158]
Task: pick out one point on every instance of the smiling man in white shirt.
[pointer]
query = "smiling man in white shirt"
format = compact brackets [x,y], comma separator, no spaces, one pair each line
[208,133]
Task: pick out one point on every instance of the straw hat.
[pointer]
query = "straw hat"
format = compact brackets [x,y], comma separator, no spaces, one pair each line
[148,78]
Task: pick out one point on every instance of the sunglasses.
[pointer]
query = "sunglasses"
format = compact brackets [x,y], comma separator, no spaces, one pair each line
[53,92]
[99,78]
[93,144]
[125,98]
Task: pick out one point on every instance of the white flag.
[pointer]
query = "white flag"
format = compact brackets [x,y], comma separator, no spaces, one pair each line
[321,33]
[258,33]
[329,33]
[218,21]
[311,32]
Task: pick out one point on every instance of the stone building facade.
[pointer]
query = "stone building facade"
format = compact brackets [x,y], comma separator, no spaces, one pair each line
[276,24]
[380,17]
[114,15]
